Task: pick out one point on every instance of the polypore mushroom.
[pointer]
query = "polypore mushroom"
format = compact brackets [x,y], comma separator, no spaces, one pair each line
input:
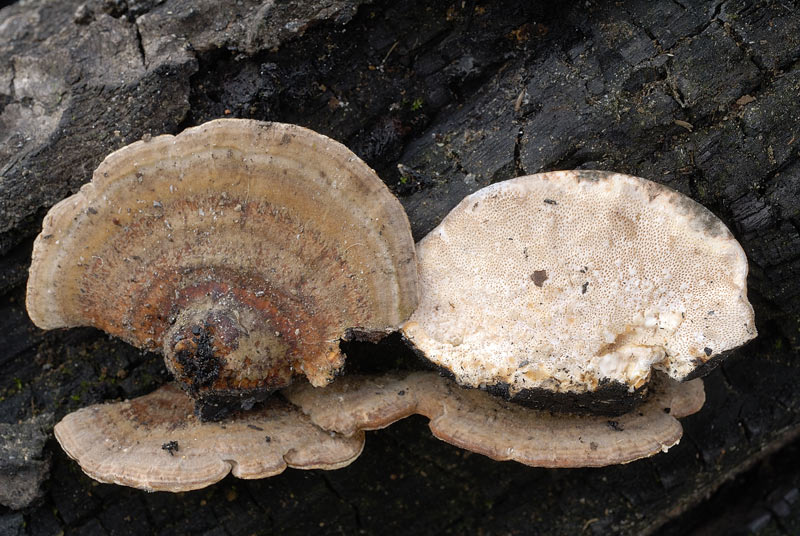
[482,423]
[569,287]
[243,251]
[156,443]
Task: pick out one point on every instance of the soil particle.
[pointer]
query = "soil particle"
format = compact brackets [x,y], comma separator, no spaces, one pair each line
[171,447]
[539,277]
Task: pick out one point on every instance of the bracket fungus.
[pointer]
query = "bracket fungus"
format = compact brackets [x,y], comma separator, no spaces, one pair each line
[566,289]
[242,250]
[482,423]
[156,443]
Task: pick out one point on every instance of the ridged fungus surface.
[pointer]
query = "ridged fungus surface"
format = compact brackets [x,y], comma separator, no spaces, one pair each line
[242,250]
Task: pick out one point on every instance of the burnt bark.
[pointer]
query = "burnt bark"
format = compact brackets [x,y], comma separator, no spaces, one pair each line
[441,100]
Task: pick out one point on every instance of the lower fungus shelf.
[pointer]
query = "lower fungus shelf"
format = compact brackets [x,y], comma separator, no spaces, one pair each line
[482,423]
[156,443]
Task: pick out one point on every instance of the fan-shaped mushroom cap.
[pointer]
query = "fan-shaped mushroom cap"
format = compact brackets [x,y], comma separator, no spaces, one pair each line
[242,250]
[578,282]
[479,422]
[156,443]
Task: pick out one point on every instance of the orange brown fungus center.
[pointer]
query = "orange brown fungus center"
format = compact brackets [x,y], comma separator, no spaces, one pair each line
[227,340]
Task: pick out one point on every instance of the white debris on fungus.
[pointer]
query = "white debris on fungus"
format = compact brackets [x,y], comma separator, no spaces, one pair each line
[568,280]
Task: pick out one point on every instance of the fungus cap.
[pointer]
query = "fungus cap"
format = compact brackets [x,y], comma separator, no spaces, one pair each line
[482,423]
[156,443]
[242,250]
[578,283]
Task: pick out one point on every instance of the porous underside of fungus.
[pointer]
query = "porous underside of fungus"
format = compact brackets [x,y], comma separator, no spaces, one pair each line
[482,423]
[567,288]
[242,250]
[156,443]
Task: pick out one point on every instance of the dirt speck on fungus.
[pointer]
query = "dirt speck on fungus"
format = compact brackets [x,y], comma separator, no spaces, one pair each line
[171,447]
[539,277]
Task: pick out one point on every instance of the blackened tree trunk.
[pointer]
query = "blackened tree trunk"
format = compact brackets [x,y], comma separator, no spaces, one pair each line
[441,100]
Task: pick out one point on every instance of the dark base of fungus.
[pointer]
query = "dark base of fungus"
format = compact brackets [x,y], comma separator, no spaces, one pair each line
[363,335]
[217,405]
[610,399]
[704,368]
[390,353]
[199,364]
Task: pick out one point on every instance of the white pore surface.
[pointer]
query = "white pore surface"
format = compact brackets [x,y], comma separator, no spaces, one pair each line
[637,277]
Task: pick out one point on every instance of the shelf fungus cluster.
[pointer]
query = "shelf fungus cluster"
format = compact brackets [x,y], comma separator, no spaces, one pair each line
[244,252]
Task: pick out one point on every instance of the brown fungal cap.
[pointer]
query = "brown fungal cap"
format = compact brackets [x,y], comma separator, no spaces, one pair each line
[479,422]
[156,443]
[242,250]
[578,282]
